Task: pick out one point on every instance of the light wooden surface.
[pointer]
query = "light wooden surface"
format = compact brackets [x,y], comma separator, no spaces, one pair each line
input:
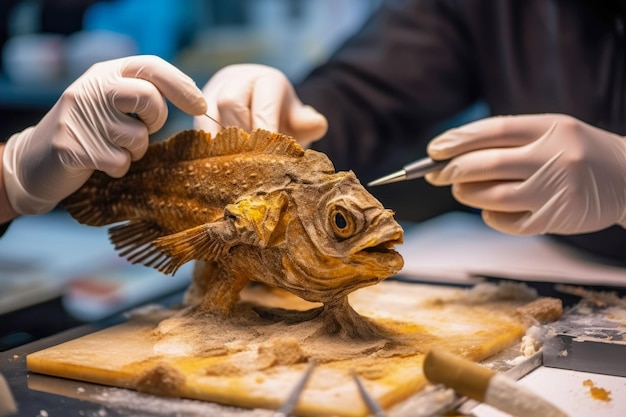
[476,330]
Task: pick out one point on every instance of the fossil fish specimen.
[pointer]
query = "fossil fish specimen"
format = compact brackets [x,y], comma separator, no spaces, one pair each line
[247,207]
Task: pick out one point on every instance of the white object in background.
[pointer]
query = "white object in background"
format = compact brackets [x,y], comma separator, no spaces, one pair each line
[34,59]
[459,247]
[52,255]
[113,288]
[571,391]
[85,48]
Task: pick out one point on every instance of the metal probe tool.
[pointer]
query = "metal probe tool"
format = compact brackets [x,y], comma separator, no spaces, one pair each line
[411,171]
[215,120]
[290,403]
[371,403]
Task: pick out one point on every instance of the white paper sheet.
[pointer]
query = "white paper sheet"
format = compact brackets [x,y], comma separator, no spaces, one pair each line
[570,391]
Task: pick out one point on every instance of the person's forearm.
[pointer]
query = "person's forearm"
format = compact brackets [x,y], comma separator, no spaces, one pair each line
[6,210]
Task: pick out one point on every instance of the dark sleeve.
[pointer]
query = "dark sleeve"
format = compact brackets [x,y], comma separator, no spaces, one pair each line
[3,228]
[387,89]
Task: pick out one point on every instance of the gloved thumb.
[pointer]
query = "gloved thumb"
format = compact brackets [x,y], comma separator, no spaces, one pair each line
[306,124]
[489,133]
[517,223]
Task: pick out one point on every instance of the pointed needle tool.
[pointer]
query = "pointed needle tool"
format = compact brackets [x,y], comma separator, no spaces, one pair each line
[410,171]
[289,405]
[215,120]
[371,403]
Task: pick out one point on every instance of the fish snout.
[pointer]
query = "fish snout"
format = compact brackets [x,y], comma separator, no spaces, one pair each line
[392,232]
[380,251]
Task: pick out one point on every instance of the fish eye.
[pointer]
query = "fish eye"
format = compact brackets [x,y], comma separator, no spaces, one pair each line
[342,222]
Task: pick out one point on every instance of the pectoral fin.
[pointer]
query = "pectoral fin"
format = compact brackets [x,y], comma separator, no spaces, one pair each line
[251,221]
[257,218]
[206,242]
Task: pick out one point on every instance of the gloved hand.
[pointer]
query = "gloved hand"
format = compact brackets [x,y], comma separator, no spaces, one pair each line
[89,128]
[253,96]
[536,174]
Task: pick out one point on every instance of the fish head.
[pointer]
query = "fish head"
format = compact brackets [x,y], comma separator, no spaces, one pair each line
[352,237]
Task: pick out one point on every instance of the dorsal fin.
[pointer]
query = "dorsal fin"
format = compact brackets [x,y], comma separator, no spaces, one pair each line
[233,140]
[183,146]
[196,144]
[267,142]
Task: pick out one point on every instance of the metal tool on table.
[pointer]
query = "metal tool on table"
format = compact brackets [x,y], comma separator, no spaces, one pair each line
[590,337]
[291,402]
[371,403]
[411,171]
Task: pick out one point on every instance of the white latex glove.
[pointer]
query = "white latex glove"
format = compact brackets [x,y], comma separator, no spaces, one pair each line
[536,174]
[89,128]
[253,96]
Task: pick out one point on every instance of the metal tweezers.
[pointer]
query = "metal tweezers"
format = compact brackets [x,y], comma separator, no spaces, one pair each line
[290,403]
[371,403]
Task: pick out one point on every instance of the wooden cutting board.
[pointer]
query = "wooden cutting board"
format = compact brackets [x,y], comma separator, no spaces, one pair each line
[136,355]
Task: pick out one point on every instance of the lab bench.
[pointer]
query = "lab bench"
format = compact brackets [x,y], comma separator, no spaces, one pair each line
[48,396]
[51,263]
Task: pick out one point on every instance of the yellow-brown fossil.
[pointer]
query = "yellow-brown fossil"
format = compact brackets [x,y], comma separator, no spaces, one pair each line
[248,207]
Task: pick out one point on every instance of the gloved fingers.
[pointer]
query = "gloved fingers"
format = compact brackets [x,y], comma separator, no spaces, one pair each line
[518,223]
[131,136]
[114,161]
[249,96]
[498,164]
[127,141]
[270,97]
[513,194]
[275,107]
[233,105]
[505,196]
[253,96]
[257,100]
[306,124]
[135,96]
[556,220]
[492,132]
[228,104]
[176,86]
[204,123]
[219,96]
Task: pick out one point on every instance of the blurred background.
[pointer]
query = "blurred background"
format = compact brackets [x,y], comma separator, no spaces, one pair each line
[54,272]
[45,44]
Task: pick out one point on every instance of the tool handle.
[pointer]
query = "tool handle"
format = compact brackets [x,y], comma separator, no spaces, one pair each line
[464,376]
[422,167]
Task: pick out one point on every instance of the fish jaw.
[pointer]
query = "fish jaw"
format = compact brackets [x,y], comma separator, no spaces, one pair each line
[379,256]
[322,278]
[377,253]
[338,278]
[375,260]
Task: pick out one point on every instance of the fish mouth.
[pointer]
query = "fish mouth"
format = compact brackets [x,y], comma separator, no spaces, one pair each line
[381,256]
[387,247]
[385,244]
